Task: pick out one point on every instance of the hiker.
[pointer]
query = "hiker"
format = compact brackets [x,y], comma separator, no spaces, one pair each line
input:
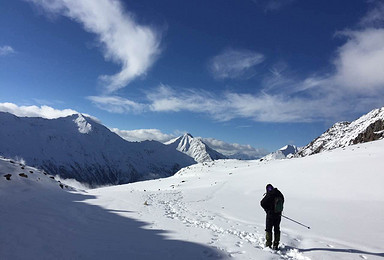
[272,203]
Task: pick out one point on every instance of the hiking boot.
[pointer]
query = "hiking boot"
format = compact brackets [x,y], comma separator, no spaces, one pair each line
[276,241]
[268,239]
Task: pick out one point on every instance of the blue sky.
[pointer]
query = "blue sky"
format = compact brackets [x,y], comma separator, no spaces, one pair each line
[264,73]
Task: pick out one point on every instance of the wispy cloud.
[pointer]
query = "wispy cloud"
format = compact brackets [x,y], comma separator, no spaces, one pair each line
[6,50]
[229,149]
[374,17]
[115,104]
[35,111]
[143,134]
[353,83]
[133,46]
[273,5]
[221,107]
[232,64]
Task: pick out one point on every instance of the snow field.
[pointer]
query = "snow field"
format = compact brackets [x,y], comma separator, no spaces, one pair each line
[206,211]
[337,193]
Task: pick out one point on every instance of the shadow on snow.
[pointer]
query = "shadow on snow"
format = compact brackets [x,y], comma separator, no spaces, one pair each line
[59,225]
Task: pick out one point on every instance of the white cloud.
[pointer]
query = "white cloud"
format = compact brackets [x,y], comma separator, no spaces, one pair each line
[355,84]
[6,50]
[143,134]
[359,64]
[229,149]
[133,46]
[35,111]
[115,104]
[232,64]
[226,106]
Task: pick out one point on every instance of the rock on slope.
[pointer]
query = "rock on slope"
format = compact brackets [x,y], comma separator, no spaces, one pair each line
[369,127]
[195,148]
[80,148]
[14,174]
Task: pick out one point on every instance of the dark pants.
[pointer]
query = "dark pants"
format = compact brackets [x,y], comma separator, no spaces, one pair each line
[273,221]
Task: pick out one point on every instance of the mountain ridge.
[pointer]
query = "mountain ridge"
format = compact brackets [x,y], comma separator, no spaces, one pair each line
[80,148]
[368,127]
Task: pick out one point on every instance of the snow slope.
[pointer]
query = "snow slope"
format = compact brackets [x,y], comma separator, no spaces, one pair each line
[207,211]
[80,148]
[195,148]
[367,128]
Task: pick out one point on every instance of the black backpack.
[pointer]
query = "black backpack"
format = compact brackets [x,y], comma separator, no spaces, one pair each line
[278,204]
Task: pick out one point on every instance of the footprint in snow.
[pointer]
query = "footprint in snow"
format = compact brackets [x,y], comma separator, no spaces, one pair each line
[231,254]
[239,244]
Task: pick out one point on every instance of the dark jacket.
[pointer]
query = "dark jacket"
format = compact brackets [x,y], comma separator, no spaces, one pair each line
[268,202]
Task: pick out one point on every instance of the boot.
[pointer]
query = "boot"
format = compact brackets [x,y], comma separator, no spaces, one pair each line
[268,239]
[276,241]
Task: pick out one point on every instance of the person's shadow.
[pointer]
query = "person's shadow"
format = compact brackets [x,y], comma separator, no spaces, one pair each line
[62,226]
[344,250]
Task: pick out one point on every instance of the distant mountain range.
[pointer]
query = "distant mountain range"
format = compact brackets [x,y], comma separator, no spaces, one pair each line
[80,148]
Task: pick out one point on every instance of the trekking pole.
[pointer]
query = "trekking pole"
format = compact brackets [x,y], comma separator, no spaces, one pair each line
[295,221]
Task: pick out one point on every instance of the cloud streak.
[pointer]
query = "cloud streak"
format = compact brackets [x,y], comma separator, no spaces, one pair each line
[231,149]
[273,5]
[143,134]
[125,42]
[116,104]
[354,83]
[234,64]
[222,107]
[6,50]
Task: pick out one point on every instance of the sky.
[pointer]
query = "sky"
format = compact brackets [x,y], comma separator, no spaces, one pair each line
[251,74]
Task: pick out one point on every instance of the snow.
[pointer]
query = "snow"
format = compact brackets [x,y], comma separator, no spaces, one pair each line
[206,211]
[83,125]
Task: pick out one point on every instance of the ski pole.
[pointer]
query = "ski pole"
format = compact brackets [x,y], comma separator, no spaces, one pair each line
[295,221]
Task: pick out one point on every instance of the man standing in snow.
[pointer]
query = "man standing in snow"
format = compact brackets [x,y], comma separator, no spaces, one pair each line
[272,203]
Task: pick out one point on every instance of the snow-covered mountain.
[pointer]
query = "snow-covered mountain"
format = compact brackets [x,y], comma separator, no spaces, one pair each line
[284,152]
[367,128]
[80,148]
[195,148]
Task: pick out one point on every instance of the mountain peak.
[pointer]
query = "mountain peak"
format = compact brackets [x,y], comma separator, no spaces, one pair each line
[187,135]
[195,148]
[83,126]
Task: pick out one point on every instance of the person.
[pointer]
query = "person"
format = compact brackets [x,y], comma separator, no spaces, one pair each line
[273,210]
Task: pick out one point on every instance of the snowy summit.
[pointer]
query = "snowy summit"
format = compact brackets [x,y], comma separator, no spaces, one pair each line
[195,148]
